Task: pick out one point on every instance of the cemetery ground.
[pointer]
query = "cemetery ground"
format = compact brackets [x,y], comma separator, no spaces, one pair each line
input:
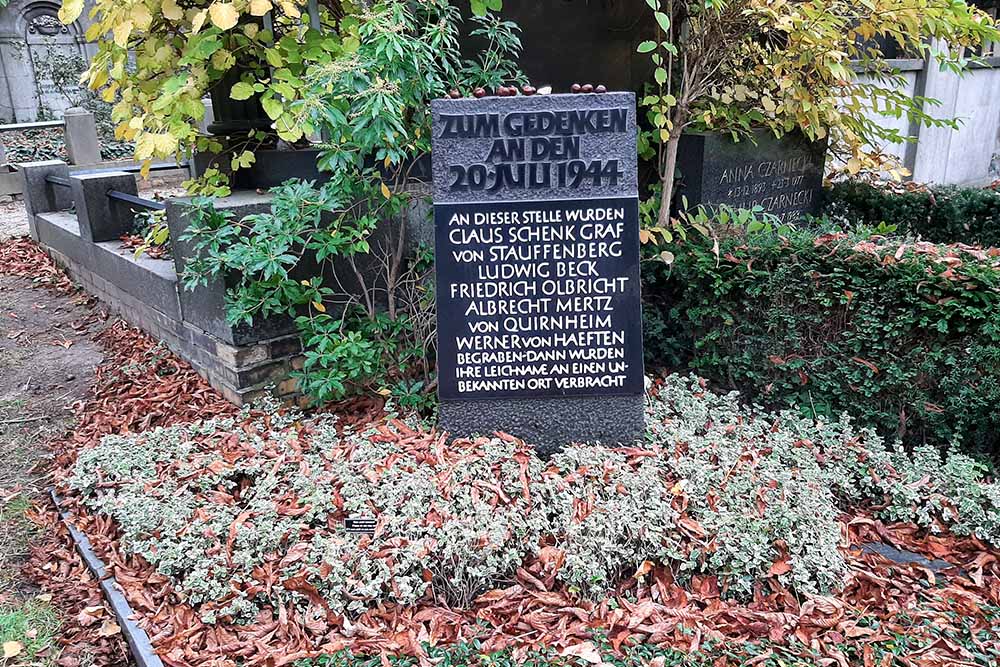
[908,596]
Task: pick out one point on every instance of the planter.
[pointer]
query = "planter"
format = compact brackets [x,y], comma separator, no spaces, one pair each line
[275,166]
[784,176]
[235,116]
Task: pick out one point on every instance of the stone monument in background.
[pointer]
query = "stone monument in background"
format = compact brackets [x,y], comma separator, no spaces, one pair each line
[537,256]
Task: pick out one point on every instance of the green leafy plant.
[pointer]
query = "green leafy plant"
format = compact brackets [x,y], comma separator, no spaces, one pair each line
[905,336]
[150,229]
[944,214]
[364,310]
[261,49]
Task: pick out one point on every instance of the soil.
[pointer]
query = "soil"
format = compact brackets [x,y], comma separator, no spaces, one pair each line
[47,363]
[13,220]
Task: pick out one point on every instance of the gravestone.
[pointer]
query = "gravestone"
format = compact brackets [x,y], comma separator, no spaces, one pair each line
[537,260]
[784,176]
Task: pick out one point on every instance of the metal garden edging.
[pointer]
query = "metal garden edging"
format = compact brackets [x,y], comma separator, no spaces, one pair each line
[138,641]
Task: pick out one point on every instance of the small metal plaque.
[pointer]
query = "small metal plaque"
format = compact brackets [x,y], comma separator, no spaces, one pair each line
[358,525]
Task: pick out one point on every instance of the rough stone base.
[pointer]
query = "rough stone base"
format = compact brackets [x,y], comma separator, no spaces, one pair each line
[241,373]
[550,424]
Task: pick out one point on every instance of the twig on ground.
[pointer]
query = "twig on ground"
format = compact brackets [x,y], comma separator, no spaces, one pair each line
[25,420]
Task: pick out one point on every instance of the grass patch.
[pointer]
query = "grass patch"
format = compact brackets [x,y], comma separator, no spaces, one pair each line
[28,633]
[15,528]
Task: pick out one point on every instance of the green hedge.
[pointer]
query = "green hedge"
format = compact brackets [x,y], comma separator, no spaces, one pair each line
[942,215]
[905,338]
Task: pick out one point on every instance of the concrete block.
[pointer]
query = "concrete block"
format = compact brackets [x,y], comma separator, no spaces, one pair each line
[82,143]
[10,182]
[40,196]
[151,282]
[102,219]
[285,347]
[205,307]
[58,231]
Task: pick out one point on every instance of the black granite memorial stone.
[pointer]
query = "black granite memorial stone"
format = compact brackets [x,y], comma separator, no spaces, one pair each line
[784,176]
[537,260]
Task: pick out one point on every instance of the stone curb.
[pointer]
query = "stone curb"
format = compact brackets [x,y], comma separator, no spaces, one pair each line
[137,639]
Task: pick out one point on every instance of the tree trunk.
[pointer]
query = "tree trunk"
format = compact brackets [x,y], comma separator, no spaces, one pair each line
[667,178]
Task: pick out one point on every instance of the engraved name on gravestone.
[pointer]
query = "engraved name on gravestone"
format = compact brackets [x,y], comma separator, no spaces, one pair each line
[783,176]
[537,260]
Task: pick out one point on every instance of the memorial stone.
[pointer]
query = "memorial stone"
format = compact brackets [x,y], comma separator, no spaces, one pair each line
[537,257]
[783,176]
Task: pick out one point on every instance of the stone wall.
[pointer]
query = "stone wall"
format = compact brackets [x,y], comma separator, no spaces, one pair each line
[30,32]
[969,155]
[79,227]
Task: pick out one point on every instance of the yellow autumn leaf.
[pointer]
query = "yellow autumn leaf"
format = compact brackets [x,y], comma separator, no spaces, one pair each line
[853,165]
[198,20]
[260,7]
[319,306]
[224,15]
[108,94]
[122,31]
[93,32]
[12,649]
[290,8]
[171,10]
[70,10]
[141,18]
[98,79]
[165,143]
[385,191]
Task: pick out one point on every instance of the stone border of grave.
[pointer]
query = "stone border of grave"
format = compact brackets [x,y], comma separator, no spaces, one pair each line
[78,219]
[138,641]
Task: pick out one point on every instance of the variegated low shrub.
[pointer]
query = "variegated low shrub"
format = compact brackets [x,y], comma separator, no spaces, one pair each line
[249,511]
[209,503]
[758,500]
[609,512]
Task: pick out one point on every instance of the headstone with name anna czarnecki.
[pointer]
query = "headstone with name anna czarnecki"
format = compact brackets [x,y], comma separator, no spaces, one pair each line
[537,256]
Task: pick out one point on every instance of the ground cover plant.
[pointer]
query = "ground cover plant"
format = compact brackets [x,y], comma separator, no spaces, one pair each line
[741,495]
[942,214]
[902,334]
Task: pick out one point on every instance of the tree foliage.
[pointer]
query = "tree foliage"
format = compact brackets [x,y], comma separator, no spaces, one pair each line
[794,66]
[182,50]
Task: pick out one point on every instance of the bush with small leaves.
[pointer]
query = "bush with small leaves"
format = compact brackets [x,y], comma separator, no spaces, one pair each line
[609,513]
[248,512]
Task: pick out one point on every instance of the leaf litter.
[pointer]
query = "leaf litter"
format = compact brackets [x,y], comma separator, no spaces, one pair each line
[140,387]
